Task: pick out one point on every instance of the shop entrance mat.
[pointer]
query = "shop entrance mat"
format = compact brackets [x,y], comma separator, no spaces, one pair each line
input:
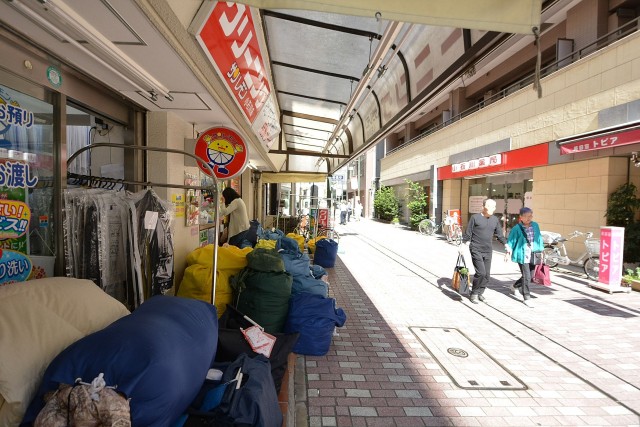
[465,362]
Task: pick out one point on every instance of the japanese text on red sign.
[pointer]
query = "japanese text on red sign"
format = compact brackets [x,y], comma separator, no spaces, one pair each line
[230,37]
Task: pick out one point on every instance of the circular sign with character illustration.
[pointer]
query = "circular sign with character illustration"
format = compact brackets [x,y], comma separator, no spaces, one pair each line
[224,150]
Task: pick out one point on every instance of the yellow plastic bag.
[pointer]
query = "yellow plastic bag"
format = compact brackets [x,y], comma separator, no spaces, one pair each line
[266,244]
[196,282]
[298,238]
[311,244]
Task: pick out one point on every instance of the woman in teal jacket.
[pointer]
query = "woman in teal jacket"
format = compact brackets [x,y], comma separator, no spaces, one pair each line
[524,239]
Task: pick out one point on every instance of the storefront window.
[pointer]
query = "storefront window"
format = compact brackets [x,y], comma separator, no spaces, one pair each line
[85,128]
[26,186]
[511,192]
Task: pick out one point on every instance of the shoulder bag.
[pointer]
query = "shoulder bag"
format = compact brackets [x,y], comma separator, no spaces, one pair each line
[537,257]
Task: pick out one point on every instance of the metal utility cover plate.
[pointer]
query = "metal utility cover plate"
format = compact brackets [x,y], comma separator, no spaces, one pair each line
[466,363]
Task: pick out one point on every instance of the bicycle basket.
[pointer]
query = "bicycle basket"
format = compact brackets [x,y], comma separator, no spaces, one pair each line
[593,246]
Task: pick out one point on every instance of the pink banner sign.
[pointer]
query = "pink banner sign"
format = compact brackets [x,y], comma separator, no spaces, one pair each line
[611,248]
[601,141]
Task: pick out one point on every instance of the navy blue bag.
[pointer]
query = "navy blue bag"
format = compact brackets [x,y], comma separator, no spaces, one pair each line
[326,252]
[314,317]
[251,403]
[158,356]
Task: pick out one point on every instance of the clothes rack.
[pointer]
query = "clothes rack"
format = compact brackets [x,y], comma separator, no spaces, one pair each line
[92,180]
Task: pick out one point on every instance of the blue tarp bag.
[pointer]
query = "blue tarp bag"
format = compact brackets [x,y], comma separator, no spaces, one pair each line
[317,271]
[326,252]
[314,317]
[309,284]
[296,264]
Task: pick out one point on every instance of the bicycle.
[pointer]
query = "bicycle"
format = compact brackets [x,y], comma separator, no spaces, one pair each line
[302,228]
[451,229]
[328,232]
[454,233]
[555,252]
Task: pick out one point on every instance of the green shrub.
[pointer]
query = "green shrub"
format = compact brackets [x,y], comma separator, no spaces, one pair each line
[621,212]
[385,204]
[417,203]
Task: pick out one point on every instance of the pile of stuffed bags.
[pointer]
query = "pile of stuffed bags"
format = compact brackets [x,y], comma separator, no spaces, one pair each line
[274,284]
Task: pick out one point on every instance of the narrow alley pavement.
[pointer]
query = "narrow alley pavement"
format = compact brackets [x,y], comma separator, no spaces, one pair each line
[414,353]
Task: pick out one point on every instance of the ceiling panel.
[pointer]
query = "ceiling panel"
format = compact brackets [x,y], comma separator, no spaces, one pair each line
[105,16]
[315,108]
[313,84]
[349,21]
[333,51]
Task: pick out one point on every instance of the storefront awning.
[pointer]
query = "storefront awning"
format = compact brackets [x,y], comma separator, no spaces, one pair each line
[611,137]
[284,177]
[516,16]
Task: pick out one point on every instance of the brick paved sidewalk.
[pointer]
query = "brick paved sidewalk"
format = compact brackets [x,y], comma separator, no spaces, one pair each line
[578,351]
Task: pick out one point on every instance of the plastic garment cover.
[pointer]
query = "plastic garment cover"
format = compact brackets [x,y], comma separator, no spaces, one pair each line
[155,243]
[99,235]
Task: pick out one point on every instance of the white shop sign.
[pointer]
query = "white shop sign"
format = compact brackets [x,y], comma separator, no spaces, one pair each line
[482,162]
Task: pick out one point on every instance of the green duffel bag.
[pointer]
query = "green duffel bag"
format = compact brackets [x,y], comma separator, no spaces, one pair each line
[262,290]
[263,259]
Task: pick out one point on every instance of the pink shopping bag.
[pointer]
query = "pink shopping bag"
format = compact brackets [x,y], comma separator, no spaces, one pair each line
[541,275]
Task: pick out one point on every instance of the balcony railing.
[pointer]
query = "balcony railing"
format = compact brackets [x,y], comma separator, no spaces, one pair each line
[600,43]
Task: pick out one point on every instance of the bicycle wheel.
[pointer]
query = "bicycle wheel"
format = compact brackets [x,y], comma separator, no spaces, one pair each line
[592,268]
[457,236]
[424,226]
[551,252]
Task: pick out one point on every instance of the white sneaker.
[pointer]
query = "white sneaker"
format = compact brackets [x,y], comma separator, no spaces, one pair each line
[528,303]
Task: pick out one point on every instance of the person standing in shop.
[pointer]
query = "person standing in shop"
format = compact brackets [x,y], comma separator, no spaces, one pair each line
[479,235]
[238,218]
[524,239]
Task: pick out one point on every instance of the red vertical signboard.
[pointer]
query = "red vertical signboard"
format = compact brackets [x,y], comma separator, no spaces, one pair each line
[323,217]
[611,249]
[230,40]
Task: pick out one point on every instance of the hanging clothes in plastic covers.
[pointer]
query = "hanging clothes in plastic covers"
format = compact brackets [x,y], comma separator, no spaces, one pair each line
[155,242]
[101,242]
[81,224]
[113,231]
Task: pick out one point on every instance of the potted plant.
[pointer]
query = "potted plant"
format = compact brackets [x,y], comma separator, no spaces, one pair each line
[632,277]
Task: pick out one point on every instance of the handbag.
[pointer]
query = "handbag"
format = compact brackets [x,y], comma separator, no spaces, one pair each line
[541,275]
[537,257]
[460,279]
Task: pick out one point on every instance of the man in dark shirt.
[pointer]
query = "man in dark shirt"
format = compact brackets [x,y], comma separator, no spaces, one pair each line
[482,226]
